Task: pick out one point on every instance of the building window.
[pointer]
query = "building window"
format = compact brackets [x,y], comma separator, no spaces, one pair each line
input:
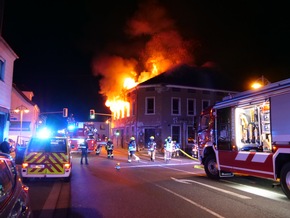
[2,71]
[190,107]
[175,106]
[205,104]
[176,133]
[127,130]
[190,135]
[133,109]
[150,105]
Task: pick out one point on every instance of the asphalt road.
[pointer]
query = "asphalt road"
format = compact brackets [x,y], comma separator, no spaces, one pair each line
[153,189]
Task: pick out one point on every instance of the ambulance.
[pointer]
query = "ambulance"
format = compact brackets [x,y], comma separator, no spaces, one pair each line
[47,158]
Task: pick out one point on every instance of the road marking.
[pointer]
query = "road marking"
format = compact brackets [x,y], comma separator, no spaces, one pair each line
[217,189]
[50,203]
[191,202]
[256,191]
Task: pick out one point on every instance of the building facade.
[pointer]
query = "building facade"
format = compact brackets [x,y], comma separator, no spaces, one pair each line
[168,106]
[7,58]
[24,115]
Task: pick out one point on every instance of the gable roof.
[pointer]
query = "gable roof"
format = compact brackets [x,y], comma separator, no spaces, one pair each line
[199,77]
[23,95]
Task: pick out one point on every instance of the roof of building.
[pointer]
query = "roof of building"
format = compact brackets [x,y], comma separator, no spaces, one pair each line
[23,95]
[199,77]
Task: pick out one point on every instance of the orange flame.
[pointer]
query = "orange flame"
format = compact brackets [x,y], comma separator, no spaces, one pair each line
[129,83]
[164,49]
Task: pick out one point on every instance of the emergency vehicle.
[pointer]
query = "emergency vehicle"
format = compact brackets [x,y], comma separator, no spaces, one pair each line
[248,133]
[47,157]
[78,134]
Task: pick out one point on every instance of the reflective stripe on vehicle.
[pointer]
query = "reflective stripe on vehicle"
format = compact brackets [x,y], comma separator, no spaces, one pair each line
[46,163]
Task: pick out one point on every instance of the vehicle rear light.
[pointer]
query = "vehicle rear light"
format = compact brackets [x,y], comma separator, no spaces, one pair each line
[67,166]
[24,165]
[25,188]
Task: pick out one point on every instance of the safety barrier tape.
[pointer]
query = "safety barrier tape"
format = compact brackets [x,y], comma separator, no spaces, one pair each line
[195,165]
[188,155]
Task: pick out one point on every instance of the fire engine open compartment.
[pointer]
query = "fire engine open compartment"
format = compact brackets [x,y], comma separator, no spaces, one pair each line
[246,128]
[252,127]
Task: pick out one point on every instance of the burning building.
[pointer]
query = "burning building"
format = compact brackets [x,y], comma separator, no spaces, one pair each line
[168,105]
[149,85]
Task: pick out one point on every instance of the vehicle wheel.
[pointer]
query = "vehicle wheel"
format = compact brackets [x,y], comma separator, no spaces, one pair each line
[285,179]
[210,167]
[67,179]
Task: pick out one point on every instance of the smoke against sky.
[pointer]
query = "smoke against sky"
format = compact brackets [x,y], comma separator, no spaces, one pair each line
[66,47]
[163,49]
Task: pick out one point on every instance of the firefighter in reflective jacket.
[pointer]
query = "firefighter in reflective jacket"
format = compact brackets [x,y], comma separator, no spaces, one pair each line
[132,149]
[110,148]
[84,147]
[152,148]
[168,149]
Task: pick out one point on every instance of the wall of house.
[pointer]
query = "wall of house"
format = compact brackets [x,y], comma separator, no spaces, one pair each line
[160,124]
[7,56]
[29,120]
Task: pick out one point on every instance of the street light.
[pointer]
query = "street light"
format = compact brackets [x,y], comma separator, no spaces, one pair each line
[108,121]
[21,109]
[260,82]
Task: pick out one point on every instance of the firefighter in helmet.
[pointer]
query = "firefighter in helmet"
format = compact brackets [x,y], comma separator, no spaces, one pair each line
[152,148]
[132,147]
[168,149]
[110,148]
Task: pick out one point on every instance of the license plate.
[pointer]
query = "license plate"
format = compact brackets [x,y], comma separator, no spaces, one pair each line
[37,166]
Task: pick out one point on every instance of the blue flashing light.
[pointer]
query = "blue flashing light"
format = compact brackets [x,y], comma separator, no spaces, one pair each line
[44,133]
[71,127]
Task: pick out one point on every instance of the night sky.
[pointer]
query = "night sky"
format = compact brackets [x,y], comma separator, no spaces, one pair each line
[58,41]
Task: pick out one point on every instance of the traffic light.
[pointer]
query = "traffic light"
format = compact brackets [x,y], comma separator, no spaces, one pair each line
[92,114]
[65,112]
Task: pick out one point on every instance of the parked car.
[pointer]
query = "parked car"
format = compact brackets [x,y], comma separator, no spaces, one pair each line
[14,196]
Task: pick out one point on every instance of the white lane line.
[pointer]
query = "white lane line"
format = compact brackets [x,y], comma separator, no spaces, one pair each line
[219,189]
[211,187]
[208,186]
[256,191]
[192,202]
[50,203]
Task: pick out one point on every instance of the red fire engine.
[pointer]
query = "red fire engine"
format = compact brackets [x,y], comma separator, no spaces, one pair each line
[77,135]
[248,133]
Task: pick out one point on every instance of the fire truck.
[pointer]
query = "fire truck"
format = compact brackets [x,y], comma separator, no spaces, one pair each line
[248,133]
[78,134]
